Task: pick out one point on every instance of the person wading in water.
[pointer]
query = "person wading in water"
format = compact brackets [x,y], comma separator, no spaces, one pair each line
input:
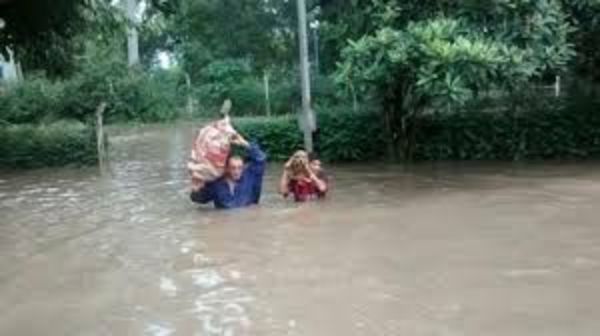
[241,184]
[303,178]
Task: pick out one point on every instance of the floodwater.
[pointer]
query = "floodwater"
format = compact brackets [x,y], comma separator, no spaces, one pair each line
[452,249]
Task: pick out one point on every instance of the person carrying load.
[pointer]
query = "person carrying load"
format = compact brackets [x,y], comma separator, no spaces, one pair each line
[226,180]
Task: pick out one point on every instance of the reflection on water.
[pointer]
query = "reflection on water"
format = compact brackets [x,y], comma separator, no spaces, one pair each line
[431,249]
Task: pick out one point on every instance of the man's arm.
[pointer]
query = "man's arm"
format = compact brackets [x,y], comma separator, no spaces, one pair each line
[256,159]
[204,195]
[319,183]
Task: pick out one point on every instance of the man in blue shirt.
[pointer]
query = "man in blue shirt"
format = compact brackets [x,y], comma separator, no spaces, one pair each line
[241,184]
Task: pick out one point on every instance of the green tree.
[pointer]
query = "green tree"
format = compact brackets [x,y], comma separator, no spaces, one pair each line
[451,55]
[585,16]
[43,33]
[207,30]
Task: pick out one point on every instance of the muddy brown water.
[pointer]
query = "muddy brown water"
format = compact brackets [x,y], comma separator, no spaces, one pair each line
[431,249]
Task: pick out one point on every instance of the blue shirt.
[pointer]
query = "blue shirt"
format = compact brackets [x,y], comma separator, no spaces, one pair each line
[246,190]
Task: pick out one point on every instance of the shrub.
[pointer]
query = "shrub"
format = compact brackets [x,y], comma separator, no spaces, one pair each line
[132,95]
[146,97]
[345,136]
[278,136]
[548,129]
[249,97]
[219,77]
[231,79]
[58,144]
[31,101]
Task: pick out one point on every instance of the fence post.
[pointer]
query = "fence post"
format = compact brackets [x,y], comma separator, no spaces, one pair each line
[190,99]
[267,93]
[100,134]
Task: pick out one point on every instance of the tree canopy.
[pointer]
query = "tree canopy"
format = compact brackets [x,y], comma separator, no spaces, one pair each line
[450,53]
[43,33]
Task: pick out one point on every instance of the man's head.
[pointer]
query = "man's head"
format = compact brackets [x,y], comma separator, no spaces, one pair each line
[314,162]
[234,168]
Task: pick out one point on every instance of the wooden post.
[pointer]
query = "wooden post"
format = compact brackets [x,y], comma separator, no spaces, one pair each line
[557,87]
[267,96]
[100,134]
[190,101]
[308,120]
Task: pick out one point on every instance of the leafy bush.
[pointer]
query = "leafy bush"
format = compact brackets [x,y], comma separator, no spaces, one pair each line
[249,97]
[324,91]
[132,95]
[278,136]
[345,136]
[146,97]
[31,101]
[350,136]
[548,129]
[235,80]
[58,144]
[219,77]
[246,90]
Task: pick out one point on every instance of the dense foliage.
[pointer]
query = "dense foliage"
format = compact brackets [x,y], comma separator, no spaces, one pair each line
[585,15]
[553,128]
[102,76]
[59,144]
[343,135]
[547,129]
[47,34]
[421,66]
[208,30]
[453,55]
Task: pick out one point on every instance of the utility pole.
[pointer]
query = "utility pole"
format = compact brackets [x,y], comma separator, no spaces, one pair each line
[133,52]
[315,28]
[308,122]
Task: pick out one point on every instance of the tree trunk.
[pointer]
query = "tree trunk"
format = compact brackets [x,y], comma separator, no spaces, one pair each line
[390,133]
[409,136]
[190,99]
[133,52]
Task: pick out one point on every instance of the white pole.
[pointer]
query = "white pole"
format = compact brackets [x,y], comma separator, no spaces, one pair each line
[267,94]
[133,52]
[308,119]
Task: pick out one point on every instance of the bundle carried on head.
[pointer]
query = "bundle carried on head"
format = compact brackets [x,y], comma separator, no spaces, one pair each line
[210,149]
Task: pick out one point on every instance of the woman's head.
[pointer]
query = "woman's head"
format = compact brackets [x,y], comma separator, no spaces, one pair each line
[298,163]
